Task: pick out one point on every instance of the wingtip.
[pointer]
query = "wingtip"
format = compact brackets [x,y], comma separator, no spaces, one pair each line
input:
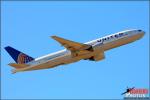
[53,36]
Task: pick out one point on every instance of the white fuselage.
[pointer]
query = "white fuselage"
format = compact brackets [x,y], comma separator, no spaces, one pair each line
[104,43]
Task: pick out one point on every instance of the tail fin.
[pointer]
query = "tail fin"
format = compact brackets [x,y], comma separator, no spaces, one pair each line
[18,56]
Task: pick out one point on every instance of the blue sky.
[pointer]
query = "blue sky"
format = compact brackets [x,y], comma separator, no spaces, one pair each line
[27,26]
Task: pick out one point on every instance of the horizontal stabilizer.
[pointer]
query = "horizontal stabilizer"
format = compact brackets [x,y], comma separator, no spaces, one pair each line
[17,66]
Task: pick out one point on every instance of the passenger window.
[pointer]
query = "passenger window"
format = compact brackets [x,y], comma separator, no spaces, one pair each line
[120,34]
[116,36]
[99,40]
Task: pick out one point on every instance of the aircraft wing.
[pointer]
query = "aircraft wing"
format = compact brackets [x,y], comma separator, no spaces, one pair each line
[15,65]
[71,45]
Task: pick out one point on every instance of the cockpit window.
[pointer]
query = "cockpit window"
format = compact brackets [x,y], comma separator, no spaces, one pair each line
[139,30]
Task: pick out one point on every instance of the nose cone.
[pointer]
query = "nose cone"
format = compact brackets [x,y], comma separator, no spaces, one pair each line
[141,32]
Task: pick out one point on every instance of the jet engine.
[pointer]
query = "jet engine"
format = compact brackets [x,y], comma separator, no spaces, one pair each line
[98,53]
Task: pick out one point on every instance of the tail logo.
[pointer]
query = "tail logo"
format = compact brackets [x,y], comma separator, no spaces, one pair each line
[22,58]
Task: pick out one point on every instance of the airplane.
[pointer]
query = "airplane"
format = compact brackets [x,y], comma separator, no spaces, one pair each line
[128,90]
[73,52]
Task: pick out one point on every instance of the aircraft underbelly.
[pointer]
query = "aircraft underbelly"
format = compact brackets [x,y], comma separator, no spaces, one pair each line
[77,58]
[58,61]
[120,42]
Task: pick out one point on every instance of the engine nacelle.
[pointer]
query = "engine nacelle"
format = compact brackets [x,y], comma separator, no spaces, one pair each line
[98,54]
[97,57]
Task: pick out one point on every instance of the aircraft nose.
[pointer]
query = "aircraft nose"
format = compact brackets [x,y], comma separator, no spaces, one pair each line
[141,32]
